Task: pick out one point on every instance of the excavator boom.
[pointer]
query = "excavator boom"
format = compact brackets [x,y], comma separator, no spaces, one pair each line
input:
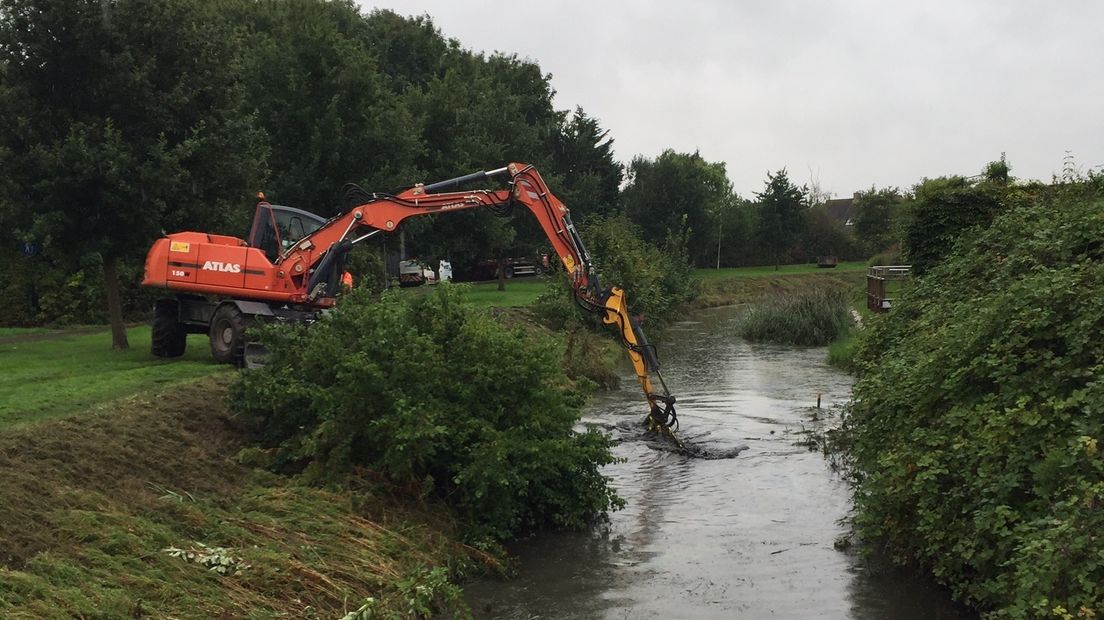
[298,273]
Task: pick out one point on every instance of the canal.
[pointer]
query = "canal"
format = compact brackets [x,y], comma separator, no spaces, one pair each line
[753,536]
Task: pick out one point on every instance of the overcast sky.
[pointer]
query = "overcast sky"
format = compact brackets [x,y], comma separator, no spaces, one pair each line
[853,93]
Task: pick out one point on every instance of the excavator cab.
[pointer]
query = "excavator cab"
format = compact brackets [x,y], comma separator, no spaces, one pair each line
[277,228]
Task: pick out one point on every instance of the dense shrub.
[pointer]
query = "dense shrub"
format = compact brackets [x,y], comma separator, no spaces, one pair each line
[891,256]
[52,290]
[429,391]
[942,211]
[656,280]
[978,415]
[811,317]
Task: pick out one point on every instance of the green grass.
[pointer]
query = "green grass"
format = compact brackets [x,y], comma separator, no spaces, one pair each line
[841,352]
[768,271]
[519,292]
[21,331]
[89,504]
[58,376]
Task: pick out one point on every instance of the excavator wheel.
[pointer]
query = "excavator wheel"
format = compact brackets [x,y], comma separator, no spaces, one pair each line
[169,336]
[228,327]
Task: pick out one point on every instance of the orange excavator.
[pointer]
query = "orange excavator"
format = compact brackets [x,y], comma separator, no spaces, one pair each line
[290,269]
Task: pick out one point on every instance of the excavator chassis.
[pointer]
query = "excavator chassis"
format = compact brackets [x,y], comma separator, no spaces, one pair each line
[225,321]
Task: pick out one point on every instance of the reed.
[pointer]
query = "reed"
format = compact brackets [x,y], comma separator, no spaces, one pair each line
[809,317]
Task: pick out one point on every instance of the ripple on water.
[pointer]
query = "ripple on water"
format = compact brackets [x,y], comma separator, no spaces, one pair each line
[748,537]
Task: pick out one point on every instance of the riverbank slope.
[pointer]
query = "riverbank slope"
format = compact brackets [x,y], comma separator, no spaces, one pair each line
[128,481]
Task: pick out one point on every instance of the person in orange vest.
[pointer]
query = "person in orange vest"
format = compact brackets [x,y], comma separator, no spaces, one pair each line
[347,281]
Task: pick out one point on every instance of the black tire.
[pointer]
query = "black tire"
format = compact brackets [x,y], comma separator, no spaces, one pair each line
[169,338]
[227,334]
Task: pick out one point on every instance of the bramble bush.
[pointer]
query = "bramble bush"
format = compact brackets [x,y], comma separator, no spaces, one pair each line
[979,410]
[943,210]
[433,393]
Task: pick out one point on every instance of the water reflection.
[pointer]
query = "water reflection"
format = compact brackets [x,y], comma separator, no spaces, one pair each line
[747,537]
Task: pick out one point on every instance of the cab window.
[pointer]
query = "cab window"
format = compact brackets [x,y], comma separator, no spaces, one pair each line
[276,228]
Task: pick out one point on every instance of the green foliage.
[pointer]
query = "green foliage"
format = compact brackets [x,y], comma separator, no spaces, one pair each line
[978,412]
[582,155]
[656,279]
[365,264]
[150,130]
[842,352]
[891,256]
[824,235]
[328,110]
[678,194]
[431,392]
[877,213]
[781,205]
[809,317]
[943,210]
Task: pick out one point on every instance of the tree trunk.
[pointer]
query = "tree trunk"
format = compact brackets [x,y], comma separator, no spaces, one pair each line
[501,274]
[114,303]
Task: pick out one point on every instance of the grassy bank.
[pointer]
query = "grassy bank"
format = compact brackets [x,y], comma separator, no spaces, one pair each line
[124,474]
[90,505]
[782,270]
[55,376]
[742,286]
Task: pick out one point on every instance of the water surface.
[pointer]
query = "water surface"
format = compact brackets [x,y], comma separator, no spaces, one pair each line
[749,537]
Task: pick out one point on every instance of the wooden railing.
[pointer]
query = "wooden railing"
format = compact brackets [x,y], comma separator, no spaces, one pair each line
[878,289]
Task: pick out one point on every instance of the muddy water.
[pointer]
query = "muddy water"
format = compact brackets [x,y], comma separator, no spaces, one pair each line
[749,537]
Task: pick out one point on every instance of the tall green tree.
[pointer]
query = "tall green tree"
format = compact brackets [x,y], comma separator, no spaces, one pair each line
[736,233]
[328,109]
[482,112]
[589,178]
[781,207]
[122,118]
[824,235]
[942,211]
[876,214]
[410,51]
[677,193]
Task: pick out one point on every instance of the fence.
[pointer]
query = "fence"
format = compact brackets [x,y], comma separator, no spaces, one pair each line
[882,284]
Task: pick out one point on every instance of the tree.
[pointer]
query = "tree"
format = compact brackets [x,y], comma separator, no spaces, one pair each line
[736,232]
[328,109]
[780,215]
[943,210]
[824,235]
[122,118]
[677,193]
[481,112]
[876,211]
[589,178]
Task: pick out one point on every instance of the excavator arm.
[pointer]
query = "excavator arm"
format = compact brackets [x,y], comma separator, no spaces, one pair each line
[315,255]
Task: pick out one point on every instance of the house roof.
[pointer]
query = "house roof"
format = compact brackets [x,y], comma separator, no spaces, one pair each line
[841,209]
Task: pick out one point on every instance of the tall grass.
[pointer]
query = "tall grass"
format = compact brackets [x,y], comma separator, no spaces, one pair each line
[811,317]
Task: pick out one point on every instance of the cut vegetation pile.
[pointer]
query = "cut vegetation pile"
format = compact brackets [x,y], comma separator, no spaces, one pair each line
[144,511]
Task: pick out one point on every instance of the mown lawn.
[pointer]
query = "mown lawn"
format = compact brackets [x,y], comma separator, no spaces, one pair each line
[54,377]
[21,331]
[760,272]
[519,292]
